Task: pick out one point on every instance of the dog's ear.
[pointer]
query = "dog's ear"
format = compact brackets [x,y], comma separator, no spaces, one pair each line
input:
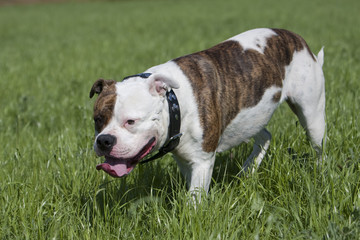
[160,84]
[99,85]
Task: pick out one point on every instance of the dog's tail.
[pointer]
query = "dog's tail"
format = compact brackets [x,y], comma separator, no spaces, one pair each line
[320,57]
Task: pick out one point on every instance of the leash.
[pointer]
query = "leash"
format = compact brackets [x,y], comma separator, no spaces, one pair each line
[173,138]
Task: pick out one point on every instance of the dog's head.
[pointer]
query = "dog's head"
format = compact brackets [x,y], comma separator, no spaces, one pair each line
[130,120]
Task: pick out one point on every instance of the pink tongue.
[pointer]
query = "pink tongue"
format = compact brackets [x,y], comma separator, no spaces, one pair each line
[115,168]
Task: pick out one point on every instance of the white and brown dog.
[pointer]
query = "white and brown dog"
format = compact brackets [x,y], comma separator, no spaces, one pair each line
[227,95]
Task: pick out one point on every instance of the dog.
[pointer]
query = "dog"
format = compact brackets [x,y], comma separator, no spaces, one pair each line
[208,102]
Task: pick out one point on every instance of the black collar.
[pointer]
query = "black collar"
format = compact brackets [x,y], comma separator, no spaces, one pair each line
[174,134]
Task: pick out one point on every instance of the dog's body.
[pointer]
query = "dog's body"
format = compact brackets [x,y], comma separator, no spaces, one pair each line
[227,95]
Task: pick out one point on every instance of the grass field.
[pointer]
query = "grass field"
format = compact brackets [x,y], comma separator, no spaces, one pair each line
[50,54]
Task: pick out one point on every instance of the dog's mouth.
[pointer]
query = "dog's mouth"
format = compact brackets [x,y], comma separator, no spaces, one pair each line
[119,167]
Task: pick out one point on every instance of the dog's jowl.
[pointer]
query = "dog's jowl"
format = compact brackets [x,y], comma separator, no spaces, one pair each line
[210,101]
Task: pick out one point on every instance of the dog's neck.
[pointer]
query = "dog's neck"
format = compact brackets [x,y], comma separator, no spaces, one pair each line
[174,134]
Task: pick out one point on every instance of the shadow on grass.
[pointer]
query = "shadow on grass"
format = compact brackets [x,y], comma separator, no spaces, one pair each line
[160,184]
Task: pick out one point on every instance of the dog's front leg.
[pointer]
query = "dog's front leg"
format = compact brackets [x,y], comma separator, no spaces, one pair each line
[197,172]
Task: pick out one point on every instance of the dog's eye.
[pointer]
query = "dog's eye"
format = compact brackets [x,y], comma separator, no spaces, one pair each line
[98,123]
[98,120]
[130,122]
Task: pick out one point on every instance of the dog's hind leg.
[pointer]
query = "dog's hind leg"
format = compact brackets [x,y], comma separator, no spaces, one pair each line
[307,99]
[262,143]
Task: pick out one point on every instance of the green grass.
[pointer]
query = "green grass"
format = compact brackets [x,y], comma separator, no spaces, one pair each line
[50,54]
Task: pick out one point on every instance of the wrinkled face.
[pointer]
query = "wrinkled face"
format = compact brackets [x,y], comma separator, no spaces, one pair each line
[128,124]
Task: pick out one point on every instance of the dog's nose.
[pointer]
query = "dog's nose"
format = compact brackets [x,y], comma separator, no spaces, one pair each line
[105,142]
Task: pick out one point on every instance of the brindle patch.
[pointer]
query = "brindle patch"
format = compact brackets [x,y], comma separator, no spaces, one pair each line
[276,97]
[104,105]
[285,43]
[227,78]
